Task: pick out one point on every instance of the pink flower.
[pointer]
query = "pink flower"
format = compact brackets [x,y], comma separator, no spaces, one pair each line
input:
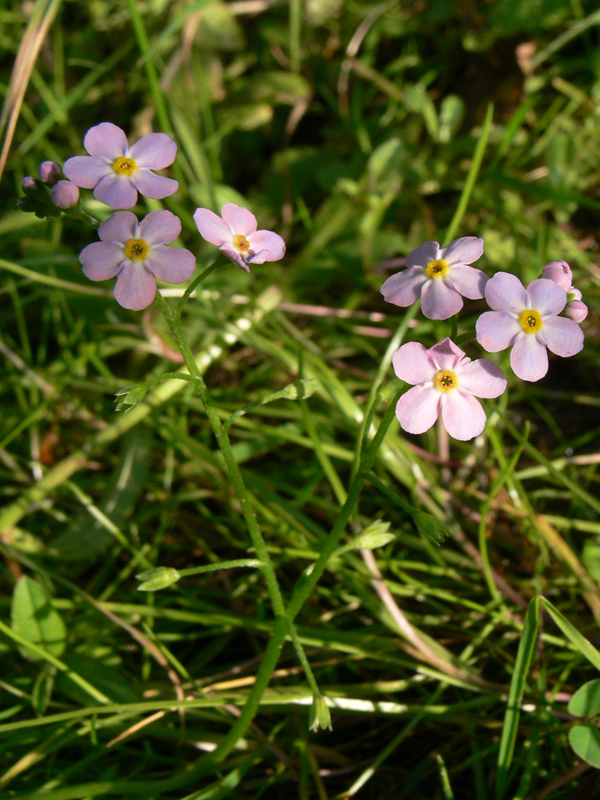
[137,254]
[439,276]
[64,194]
[117,172]
[237,237]
[527,320]
[448,382]
[560,272]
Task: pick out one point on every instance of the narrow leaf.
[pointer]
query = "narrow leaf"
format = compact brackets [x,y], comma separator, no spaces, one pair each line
[35,619]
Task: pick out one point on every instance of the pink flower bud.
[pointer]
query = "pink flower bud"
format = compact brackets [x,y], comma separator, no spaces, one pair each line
[576,310]
[27,183]
[560,273]
[64,194]
[49,172]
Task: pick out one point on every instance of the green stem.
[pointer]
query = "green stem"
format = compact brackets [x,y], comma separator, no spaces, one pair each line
[196,282]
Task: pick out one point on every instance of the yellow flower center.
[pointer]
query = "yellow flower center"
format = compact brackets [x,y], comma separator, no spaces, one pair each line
[124,166]
[137,249]
[531,321]
[241,244]
[437,269]
[445,380]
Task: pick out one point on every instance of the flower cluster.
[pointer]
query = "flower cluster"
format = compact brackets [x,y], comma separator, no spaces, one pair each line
[135,252]
[526,319]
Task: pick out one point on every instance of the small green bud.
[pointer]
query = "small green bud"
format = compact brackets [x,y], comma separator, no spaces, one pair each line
[319,716]
[158,578]
[300,389]
[130,396]
[430,527]
[374,536]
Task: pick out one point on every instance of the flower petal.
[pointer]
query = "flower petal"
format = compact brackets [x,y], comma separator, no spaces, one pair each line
[496,330]
[105,140]
[562,336]
[465,250]
[266,246]
[447,355]
[529,358]
[505,292]
[212,227]
[151,185]
[423,254]
[240,220]
[463,415]
[404,288]
[232,254]
[547,297]
[412,363]
[482,378]
[86,171]
[468,281]
[136,287]
[101,260]
[116,191]
[154,151]
[171,264]
[159,227]
[418,409]
[439,300]
[119,227]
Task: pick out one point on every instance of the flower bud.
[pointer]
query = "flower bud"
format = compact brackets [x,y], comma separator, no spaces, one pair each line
[158,578]
[559,272]
[28,183]
[576,310]
[319,716]
[49,172]
[64,194]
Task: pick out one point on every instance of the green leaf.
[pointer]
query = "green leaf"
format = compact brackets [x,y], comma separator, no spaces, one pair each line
[585,741]
[586,700]
[298,390]
[581,643]
[34,618]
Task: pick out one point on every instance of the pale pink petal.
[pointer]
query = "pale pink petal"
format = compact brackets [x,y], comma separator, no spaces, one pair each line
[101,260]
[50,171]
[159,227]
[496,330]
[439,301]
[482,378]
[136,287]
[154,151]
[233,255]
[404,288]
[562,336]
[465,250]
[212,227]
[418,409]
[116,191]
[240,220]
[446,355]
[105,140]
[505,292]
[119,227]
[423,254]
[463,416]
[528,358]
[559,272]
[547,297]
[86,171]
[266,246]
[151,185]
[171,264]
[577,310]
[468,281]
[412,363]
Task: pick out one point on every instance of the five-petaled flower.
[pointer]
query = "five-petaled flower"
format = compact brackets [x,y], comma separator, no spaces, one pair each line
[447,382]
[117,172]
[527,320]
[560,272]
[439,275]
[237,237]
[137,254]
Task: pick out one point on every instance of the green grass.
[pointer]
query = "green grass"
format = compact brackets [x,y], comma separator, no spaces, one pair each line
[357,131]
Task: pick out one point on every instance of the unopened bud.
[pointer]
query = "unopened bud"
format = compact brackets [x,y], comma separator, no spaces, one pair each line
[49,172]
[28,183]
[64,194]
[158,578]
[576,310]
[375,535]
[559,272]
[319,716]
